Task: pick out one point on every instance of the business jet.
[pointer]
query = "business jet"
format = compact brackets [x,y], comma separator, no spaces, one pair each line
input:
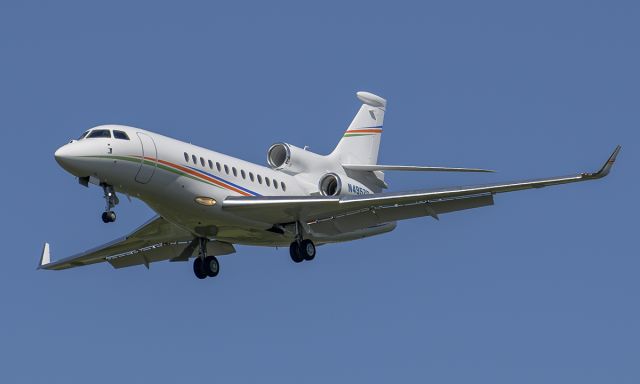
[206,202]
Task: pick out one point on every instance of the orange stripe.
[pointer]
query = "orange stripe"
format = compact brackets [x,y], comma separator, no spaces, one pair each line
[193,173]
[364,131]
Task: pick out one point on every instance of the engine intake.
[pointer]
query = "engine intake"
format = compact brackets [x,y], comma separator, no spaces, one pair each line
[278,155]
[330,185]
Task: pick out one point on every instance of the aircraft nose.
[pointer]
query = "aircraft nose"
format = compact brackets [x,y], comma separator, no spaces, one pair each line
[63,155]
[67,157]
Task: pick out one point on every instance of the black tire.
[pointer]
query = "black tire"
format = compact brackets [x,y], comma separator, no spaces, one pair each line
[307,250]
[211,266]
[198,268]
[108,217]
[294,252]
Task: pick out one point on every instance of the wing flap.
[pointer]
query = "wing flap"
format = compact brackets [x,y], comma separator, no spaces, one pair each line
[383,214]
[166,251]
[148,255]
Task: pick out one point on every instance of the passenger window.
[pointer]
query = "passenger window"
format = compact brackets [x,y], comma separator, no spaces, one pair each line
[210,164]
[244,175]
[235,173]
[226,169]
[259,179]
[266,181]
[275,184]
[202,161]
[251,175]
[284,187]
[195,159]
[99,133]
[120,135]
[186,157]
[218,166]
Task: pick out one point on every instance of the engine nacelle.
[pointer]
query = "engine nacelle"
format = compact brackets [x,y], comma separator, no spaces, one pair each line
[332,184]
[291,159]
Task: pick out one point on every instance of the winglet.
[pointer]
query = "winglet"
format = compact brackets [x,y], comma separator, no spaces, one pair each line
[45,258]
[606,168]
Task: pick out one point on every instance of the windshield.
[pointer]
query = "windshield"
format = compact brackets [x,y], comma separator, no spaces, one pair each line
[83,135]
[99,133]
[120,135]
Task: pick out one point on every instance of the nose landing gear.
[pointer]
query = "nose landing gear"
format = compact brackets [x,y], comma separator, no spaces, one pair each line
[108,216]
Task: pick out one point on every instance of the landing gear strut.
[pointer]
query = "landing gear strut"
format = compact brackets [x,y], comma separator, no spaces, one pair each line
[301,249]
[205,266]
[108,216]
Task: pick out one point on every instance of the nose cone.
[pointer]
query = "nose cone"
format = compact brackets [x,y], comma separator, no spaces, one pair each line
[67,157]
[62,154]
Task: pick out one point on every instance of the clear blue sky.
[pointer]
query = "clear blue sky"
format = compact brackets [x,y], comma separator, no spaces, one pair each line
[542,287]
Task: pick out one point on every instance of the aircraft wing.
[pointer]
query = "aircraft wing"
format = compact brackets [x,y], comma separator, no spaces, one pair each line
[389,206]
[155,240]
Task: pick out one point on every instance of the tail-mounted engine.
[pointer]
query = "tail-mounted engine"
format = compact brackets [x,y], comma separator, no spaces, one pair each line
[291,159]
[330,185]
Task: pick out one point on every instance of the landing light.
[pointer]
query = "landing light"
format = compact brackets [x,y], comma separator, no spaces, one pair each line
[208,201]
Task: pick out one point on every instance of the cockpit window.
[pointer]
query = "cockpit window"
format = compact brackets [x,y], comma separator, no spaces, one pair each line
[83,135]
[120,135]
[99,133]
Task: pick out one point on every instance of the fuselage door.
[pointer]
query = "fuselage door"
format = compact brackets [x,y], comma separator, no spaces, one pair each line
[149,159]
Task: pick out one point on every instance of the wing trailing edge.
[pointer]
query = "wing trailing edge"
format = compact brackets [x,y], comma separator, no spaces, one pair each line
[380,167]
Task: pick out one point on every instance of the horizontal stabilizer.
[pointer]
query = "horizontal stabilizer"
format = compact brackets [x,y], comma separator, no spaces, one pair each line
[378,167]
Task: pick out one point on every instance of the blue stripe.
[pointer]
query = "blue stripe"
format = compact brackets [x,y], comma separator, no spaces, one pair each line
[225,181]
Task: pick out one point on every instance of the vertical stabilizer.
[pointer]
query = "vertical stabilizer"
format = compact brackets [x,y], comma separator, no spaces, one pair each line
[360,142]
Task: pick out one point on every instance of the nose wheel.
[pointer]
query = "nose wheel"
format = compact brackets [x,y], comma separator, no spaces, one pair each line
[111,200]
[108,217]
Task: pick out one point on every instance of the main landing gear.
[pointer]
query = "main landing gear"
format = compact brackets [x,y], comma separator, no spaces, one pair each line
[301,249]
[205,266]
[108,216]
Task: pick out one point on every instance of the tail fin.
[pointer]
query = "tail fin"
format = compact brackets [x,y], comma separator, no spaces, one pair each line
[361,141]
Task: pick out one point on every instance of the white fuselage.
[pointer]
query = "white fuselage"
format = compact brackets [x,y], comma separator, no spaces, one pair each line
[170,175]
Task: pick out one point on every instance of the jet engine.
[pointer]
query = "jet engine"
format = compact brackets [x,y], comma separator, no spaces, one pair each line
[330,185]
[292,160]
